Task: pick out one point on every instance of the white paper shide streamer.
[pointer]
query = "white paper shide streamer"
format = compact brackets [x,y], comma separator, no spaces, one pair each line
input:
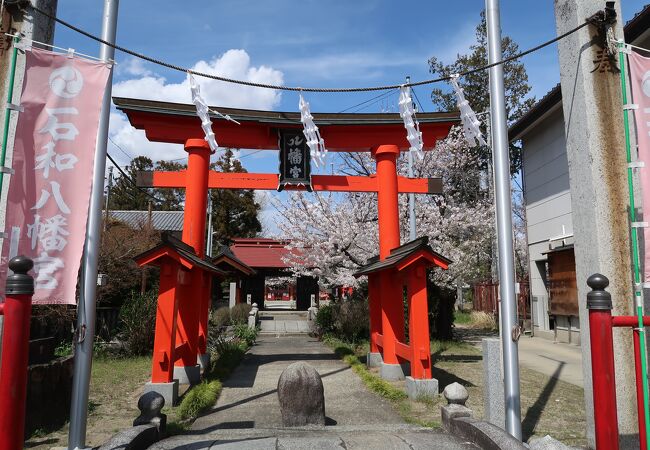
[407,112]
[315,143]
[203,112]
[471,125]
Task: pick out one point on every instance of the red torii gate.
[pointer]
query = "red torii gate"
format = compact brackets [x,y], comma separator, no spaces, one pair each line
[381,134]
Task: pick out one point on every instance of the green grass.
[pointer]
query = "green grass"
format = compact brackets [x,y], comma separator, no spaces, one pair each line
[421,412]
[199,399]
[438,346]
[462,317]
[203,396]
[373,382]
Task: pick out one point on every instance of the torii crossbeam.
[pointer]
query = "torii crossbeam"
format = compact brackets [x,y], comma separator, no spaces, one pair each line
[269,182]
[381,134]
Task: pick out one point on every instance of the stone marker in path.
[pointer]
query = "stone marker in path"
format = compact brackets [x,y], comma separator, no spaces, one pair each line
[301,395]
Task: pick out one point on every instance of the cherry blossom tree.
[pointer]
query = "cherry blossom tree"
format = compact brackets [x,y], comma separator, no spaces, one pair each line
[337,233]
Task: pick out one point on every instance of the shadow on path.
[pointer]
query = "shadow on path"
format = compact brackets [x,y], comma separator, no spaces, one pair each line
[250,365]
[249,424]
[534,413]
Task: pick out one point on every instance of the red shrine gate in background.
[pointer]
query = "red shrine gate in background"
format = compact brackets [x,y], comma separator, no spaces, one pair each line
[184,297]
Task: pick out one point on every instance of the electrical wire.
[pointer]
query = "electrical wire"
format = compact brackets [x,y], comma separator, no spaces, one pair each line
[129,179]
[251,153]
[121,149]
[418,100]
[377,97]
[295,88]
[376,101]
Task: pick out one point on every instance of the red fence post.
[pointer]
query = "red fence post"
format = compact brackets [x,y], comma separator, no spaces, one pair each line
[639,389]
[15,353]
[599,304]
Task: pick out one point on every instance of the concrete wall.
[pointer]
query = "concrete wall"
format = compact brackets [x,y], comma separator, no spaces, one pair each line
[548,213]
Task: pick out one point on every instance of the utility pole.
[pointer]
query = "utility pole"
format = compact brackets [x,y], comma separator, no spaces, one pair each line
[509,327]
[209,241]
[108,194]
[595,144]
[86,309]
[412,227]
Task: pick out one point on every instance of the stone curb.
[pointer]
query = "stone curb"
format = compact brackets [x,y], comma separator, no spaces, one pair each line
[483,434]
[136,438]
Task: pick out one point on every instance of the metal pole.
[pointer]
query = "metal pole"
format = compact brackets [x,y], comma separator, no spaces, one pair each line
[638,296]
[87,301]
[10,97]
[412,228]
[509,327]
[494,261]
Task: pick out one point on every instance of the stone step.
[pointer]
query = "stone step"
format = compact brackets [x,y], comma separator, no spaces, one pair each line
[285,326]
[284,313]
[388,436]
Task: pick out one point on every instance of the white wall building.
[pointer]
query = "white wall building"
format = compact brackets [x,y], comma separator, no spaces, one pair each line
[547,194]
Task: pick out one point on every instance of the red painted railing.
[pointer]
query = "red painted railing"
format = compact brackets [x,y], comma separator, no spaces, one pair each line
[17,311]
[601,324]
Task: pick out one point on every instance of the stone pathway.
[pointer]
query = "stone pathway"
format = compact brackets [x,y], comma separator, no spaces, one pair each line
[284,322]
[247,415]
[557,360]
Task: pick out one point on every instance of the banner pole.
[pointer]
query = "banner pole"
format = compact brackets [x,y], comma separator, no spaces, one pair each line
[86,312]
[10,97]
[509,328]
[636,261]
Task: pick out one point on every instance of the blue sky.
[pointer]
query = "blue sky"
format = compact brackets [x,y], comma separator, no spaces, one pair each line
[315,42]
[333,43]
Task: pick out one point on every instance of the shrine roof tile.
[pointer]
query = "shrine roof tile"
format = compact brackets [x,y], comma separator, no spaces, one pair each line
[160,220]
[184,250]
[279,117]
[398,255]
[226,256]
[261,253]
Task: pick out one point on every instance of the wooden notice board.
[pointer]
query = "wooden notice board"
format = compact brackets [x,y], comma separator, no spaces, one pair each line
[563,290]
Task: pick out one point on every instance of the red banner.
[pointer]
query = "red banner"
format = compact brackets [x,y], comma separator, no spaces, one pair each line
[54,151]
[640,85]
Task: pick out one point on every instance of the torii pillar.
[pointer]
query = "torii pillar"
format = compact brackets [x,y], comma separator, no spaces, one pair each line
[390,297]
[195,301]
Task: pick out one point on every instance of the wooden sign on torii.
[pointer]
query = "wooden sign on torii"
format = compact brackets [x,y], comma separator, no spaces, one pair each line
[381,134]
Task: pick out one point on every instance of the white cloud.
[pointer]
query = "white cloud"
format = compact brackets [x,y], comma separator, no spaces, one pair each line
[151,86]
[267,215]
[133,67]
[135,143]
[234,64]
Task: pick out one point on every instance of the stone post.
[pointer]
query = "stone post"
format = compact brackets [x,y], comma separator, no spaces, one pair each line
[591,100]
[493,401]
[252,316]
[232,294]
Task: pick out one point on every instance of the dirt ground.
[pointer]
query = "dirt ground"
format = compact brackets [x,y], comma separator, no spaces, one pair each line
[548,405]
[115,387]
